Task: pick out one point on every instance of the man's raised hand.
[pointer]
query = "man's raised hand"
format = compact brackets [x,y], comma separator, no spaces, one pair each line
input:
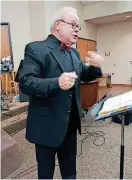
[67,80]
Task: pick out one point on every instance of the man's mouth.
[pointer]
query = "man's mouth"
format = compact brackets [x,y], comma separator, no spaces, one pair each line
[75,36]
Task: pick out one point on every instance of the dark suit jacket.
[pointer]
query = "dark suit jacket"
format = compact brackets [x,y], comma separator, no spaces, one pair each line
[48,112]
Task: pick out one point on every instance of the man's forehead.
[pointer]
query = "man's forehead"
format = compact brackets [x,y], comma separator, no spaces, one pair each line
[72,17]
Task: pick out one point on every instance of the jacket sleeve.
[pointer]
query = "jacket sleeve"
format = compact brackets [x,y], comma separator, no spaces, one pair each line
[89,73]
[30,78]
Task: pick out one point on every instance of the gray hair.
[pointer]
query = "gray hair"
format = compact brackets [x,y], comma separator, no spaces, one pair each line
[61,13]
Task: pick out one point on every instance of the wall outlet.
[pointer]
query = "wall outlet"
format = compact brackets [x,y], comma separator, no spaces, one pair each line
[131,80]
[130,62]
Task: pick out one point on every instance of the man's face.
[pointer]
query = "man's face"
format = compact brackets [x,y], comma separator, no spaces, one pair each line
[68,28]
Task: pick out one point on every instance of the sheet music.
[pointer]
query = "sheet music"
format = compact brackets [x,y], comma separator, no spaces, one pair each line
[117,103]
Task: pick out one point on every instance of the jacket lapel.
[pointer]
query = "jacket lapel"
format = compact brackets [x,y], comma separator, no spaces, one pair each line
[57,54]
[75,62]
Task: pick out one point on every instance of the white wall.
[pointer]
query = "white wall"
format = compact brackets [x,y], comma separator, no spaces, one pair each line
[30,21]
[116,38]
[17,14]
[106,8]
[37,20]
[51,7]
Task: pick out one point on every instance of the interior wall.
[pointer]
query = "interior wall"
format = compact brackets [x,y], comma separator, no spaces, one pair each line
[116,39]
[30,21]
[17,14]
[37,20]
[88,30]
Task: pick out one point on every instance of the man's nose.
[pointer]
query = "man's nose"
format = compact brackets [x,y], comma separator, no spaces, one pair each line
[76,30]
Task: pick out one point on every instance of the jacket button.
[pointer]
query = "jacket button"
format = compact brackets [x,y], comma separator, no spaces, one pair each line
[70,95]
[68,111]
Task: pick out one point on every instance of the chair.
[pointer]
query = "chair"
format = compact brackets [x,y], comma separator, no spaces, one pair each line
[11,82]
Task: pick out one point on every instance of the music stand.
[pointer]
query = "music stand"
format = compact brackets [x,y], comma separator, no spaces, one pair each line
[93,114]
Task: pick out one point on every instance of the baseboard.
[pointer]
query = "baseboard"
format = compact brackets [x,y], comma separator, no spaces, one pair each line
[123,85]
[119,85]
[102,86]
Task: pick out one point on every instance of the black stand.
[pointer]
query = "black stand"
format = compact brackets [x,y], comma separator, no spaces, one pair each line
[122,147]
[93,116]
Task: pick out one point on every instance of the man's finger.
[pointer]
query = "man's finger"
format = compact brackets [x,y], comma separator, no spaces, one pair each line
[72,75]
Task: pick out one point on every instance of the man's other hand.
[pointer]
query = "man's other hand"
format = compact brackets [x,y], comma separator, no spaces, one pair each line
[67,80]
[95,59]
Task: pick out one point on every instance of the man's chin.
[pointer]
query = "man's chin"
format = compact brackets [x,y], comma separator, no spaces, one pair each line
[74,41]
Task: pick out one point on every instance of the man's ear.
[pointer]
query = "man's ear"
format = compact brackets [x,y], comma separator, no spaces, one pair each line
[57,25]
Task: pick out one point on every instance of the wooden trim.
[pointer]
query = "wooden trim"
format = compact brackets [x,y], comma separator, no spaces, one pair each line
[119,85]
[10,42]
[125,85]
[103,86]
[86,39]
[4,23]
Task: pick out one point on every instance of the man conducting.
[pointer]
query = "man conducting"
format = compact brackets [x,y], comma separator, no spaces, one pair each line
[51,76]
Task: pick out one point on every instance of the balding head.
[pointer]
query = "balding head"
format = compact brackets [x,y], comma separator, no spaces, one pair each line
[60,13]
[65,25]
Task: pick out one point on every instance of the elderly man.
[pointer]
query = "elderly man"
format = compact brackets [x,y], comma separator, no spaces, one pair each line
[51,76]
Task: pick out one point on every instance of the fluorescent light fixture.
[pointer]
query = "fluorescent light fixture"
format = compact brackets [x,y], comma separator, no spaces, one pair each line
[127,16]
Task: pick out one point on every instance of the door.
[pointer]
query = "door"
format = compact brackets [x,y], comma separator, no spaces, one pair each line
[5,42]
[85,45]
[91,45]
[6,57]
[82,48]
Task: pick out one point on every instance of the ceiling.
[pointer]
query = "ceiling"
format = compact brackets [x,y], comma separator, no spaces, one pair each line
[111,18]
[84,3]
[107,19]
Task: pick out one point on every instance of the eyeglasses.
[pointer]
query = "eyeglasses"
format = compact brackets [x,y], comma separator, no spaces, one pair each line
[74,25]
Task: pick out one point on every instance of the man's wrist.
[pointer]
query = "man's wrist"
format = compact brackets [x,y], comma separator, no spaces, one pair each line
[53,84]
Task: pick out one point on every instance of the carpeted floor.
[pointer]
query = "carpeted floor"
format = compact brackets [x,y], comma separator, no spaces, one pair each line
[100,156]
